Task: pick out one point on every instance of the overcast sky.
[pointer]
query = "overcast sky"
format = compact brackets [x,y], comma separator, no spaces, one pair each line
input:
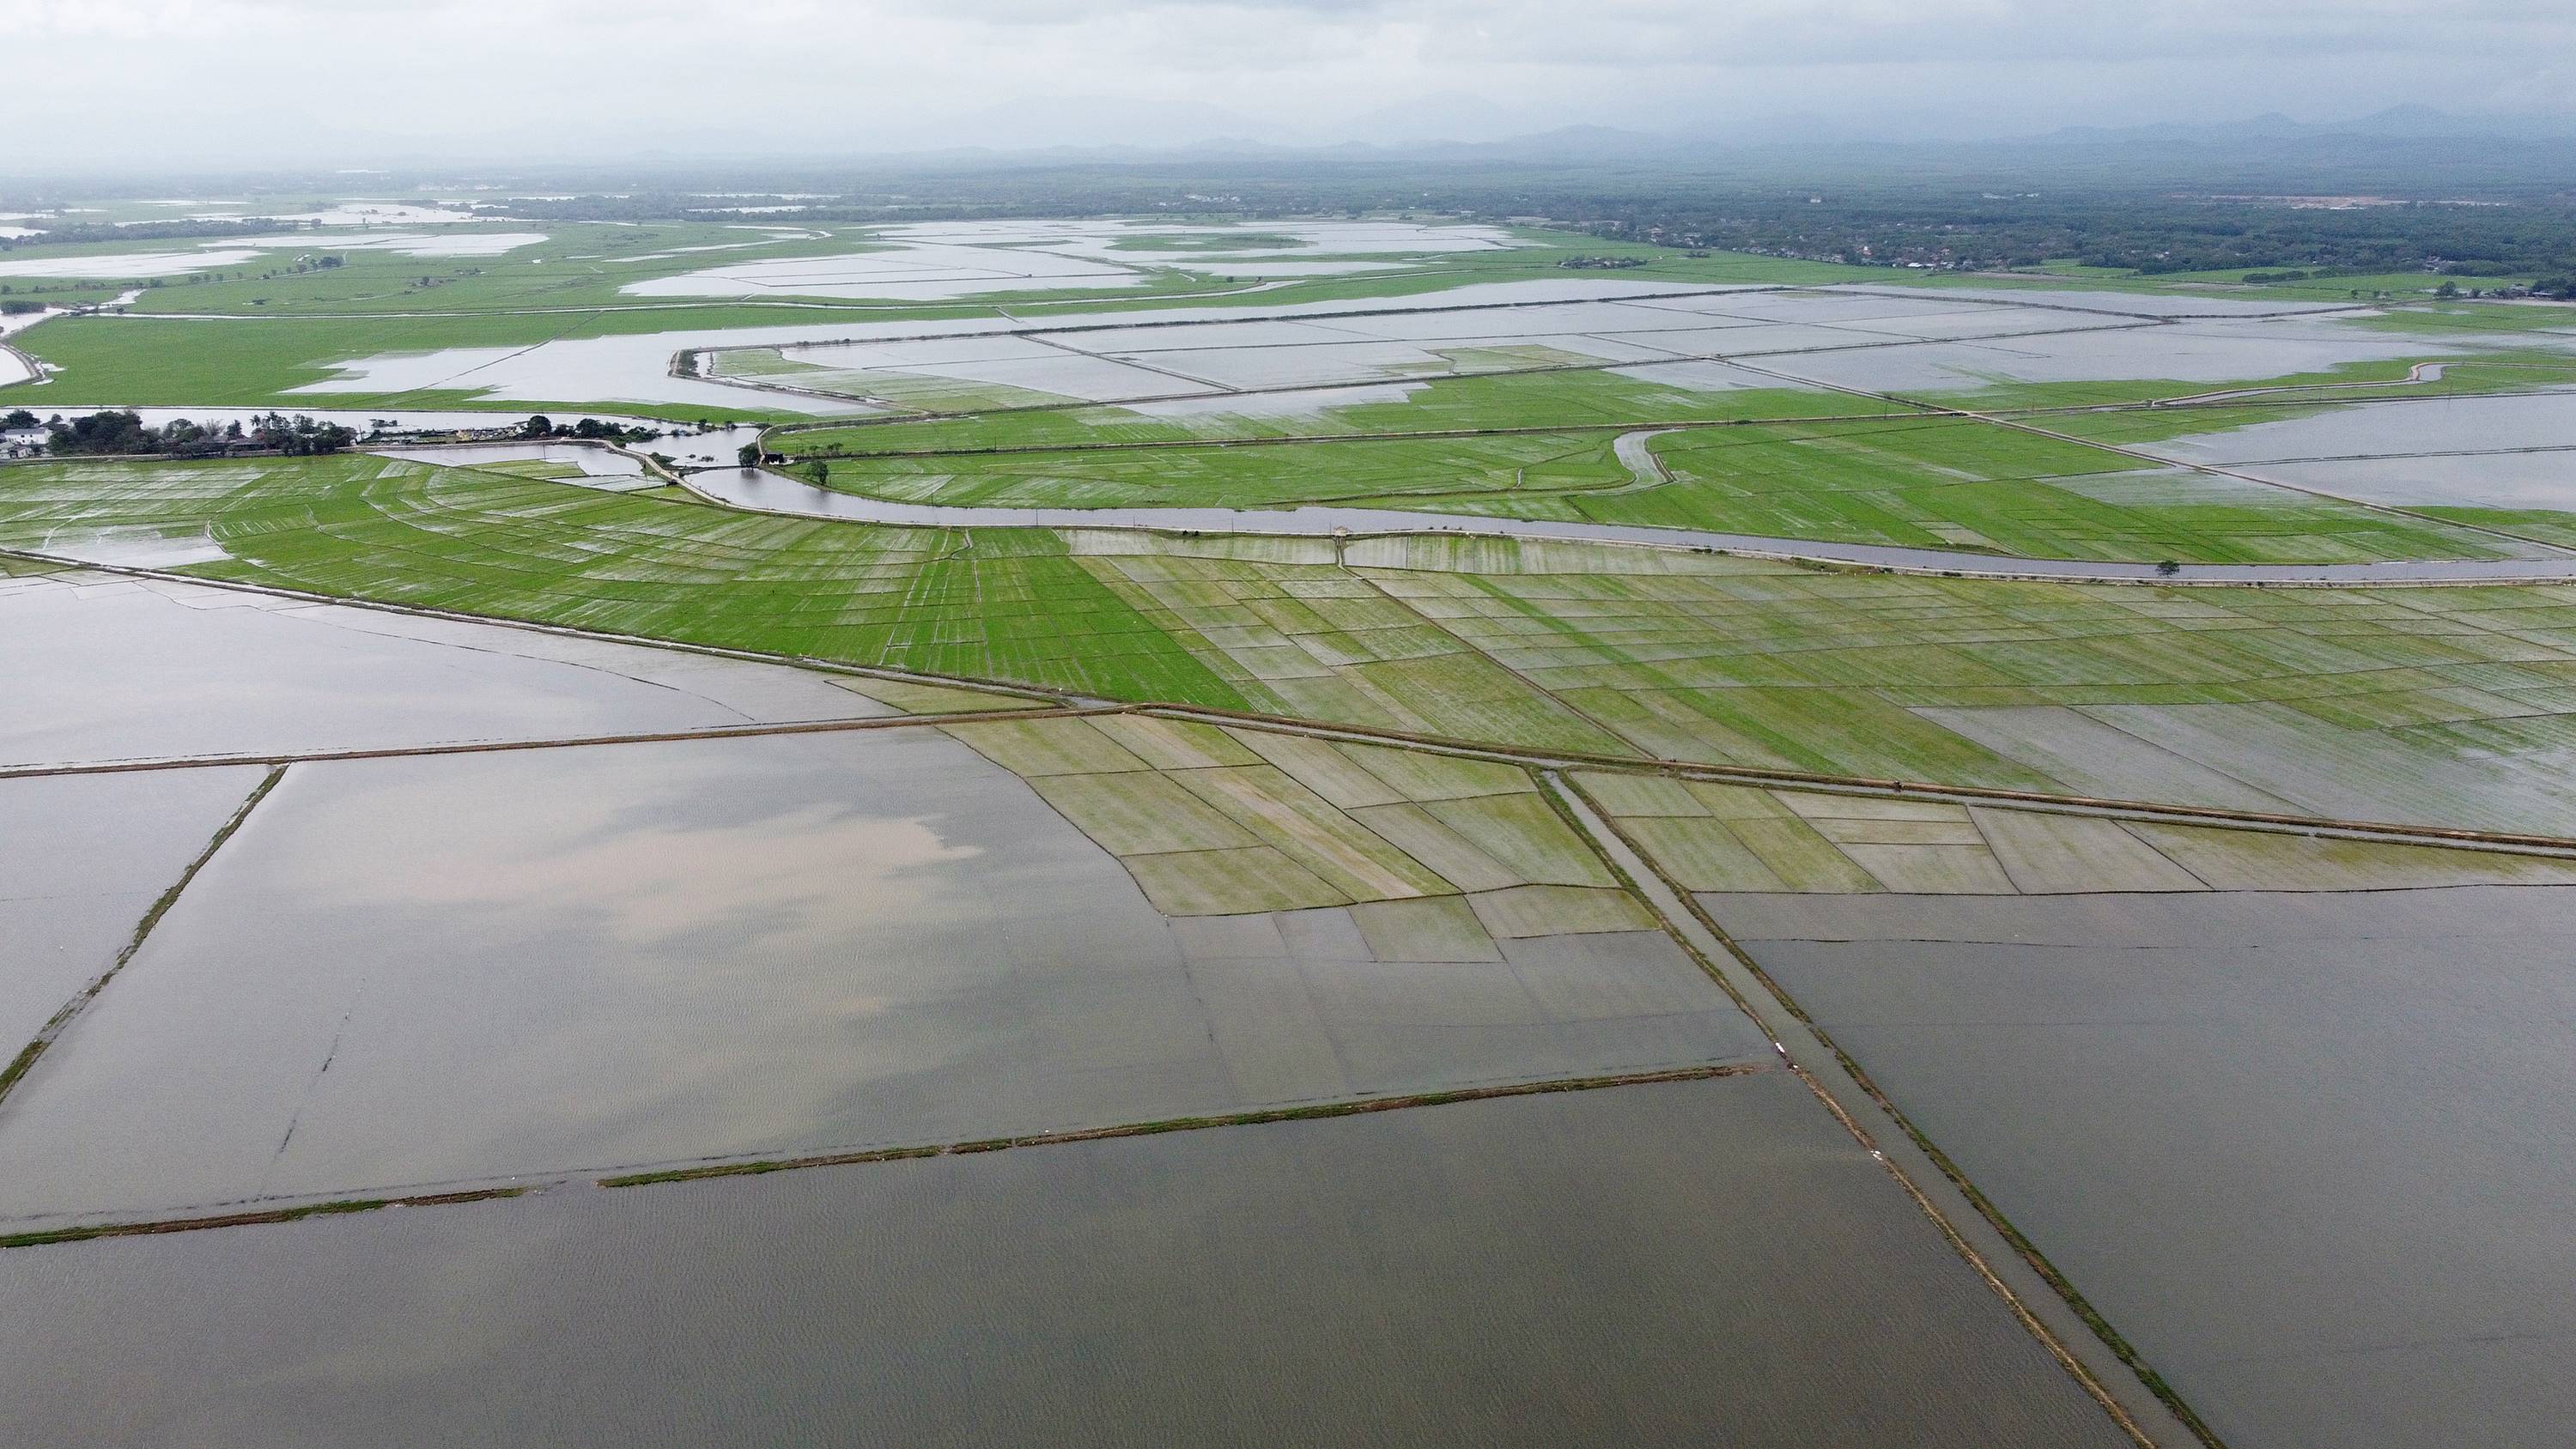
[348,81]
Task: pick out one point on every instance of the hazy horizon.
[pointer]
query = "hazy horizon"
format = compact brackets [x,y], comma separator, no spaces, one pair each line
[134,84]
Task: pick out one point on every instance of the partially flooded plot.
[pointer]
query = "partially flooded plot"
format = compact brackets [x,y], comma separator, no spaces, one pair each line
[637,366]
[1710,1261]
[588,464]
[2212,351]
[82,859]
[1712,837]
[938,261]
[464,968]
[2496,452]
[1225,821]
[2430,425]
[102,668]
[2307,1150]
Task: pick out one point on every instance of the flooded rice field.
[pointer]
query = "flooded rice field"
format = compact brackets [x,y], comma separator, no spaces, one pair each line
[944,261]
[637,367]
[2544,480]
[2210,351]
[2136,304]
[2494,452]
[1713,1261]
[1223,356]
[466,968]
[764,491]
[239,251]
[592,465]
[2366,430]
[1947,341]
[117,265]
[2308,1151]
[206,671]
[82,859]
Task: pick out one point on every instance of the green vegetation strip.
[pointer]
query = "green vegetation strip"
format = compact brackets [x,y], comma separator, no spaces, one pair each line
[1772,462]
[25,1061]
[87,1231]
[1315,1112]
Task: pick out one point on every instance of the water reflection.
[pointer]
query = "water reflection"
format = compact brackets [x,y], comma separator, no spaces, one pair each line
[1698,1262]
[2309,1151]
[468,967]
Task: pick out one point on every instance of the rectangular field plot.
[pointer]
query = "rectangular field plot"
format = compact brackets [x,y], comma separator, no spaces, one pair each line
[1731,838]
[465,968]
[2205,353]
[82,860]
[1709,1261]
[2305,1150]
[2440,706]
[1961,483]
[987,372]
[1257,820]
[102,669]
[1000,604]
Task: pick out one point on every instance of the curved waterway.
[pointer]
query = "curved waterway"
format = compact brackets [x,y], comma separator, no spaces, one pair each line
[765,492]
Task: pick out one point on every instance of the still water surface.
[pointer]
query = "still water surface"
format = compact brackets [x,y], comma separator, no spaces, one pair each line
[1711,1262]
[461,968]
[2310,1152]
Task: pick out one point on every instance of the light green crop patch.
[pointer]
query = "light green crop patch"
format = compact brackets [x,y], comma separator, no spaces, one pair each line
[2443,706]
[1751,839]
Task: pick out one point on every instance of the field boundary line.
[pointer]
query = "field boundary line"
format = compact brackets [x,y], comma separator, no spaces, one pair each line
[752,1167]
[1934,1185]
[70,1011]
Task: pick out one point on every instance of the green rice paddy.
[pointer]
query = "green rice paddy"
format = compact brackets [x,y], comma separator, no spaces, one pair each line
[2444,705]
[1927,481]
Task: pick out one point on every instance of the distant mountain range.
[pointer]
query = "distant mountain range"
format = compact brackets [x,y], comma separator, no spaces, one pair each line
[1467,129]
[2402,150]
[2408,122]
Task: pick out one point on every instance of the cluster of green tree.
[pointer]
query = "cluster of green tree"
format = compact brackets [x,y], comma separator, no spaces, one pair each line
[2149,234]
[126,432]
[2154,204]
[1848,211]
[541,426]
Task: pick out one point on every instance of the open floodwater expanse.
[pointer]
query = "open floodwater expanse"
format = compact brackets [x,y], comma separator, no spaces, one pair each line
[456,969]
[424,1030]
[2307,1150]
[454,961]
[1707,1260]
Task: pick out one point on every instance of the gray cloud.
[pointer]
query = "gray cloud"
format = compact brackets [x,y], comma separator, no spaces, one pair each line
[133,80]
